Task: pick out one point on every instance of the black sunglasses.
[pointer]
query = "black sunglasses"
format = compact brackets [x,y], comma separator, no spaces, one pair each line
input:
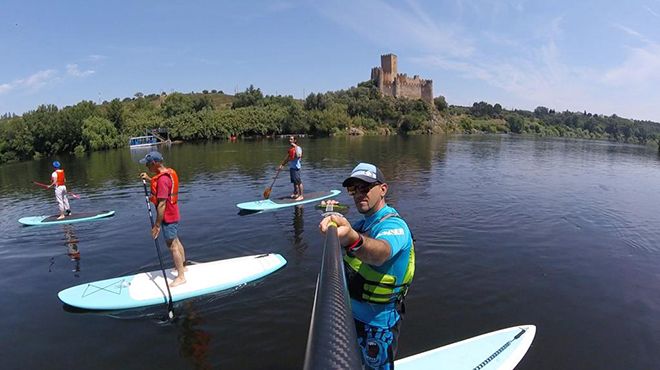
[363,188]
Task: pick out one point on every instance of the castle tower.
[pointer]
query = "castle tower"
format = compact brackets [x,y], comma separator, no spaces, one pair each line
[388,64]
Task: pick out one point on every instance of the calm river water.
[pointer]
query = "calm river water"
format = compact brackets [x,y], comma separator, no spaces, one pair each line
[563,234]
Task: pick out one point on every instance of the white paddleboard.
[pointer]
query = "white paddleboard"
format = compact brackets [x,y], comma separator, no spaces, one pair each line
[498,350]
[75,217]
[148,288]
[277,203]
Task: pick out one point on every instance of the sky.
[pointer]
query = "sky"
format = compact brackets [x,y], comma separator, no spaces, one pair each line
[597,56]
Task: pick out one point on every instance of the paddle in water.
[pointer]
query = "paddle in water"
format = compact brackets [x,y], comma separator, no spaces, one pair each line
[270,188]
[170,305]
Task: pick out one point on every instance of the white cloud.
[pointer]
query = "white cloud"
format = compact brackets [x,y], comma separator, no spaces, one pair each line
[654,13]
[405,26]
[96,57]
[31,83]
[641,67]
[73,70]
[5,88]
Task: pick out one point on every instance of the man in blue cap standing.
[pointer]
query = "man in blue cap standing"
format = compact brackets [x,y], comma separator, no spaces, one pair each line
[379,262]
[58,181]
[165,197]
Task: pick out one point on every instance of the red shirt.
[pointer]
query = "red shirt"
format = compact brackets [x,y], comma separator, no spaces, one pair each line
[164,186]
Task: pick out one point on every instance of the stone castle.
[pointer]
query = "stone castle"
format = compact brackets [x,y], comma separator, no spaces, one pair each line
[399,85]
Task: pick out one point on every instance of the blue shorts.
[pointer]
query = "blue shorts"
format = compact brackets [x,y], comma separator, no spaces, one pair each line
[295,176]
[378,345]
[170,231]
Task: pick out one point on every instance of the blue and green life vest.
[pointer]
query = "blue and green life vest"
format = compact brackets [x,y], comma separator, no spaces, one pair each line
[368,285]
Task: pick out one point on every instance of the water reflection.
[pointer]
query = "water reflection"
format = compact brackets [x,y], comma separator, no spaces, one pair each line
[193,340]
[298,224]
[72,250]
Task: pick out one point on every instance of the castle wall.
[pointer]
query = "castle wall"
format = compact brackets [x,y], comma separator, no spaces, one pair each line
[387,89]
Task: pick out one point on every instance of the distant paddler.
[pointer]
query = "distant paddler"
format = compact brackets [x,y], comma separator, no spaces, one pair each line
[294,155]
[379,263]
[58,181]
[165,195]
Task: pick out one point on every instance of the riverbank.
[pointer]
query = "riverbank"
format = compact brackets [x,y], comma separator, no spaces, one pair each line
[360,110]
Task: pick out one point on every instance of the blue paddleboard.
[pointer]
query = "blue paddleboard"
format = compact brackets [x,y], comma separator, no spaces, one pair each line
[498,350]
[148,288]
[75,217]
[272,204]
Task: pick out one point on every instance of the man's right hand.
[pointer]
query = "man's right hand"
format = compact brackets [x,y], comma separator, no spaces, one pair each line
[347,235]
[144,176]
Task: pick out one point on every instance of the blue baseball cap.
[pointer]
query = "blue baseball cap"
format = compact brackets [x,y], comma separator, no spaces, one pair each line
[152,157]
[366,172]
[57,164]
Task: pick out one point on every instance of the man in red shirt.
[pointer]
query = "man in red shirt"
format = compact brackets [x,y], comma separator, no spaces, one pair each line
[165,195]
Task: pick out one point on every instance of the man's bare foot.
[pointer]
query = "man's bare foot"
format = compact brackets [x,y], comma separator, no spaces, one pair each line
[293,196]
[299,198]
[61,217]
[175,272]
[178,281]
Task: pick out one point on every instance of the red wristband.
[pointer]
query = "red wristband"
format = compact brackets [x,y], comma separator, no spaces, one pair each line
[355,245]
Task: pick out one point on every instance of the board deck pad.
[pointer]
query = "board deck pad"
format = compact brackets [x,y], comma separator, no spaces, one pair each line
[148,288]
[73,218]
[276,203]
[498,350]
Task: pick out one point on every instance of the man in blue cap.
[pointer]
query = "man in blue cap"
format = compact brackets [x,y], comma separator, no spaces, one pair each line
[58,181]
[379,262]
[165,197]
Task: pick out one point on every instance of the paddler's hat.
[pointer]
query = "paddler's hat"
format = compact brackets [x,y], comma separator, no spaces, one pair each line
[152,157]
[366,172]
[57,164]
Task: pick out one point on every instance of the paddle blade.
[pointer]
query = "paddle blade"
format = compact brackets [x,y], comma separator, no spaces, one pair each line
[267,193]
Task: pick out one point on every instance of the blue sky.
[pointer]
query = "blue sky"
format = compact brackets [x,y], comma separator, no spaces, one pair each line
[598,56]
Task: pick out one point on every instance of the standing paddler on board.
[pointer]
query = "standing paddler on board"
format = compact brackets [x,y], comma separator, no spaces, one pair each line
[379,262]
[164,195]
[294,154]
[58,181]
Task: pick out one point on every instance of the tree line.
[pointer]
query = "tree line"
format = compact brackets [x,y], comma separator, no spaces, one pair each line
[359,110]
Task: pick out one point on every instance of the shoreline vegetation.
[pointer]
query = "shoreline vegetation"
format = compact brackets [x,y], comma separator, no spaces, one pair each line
[360,110]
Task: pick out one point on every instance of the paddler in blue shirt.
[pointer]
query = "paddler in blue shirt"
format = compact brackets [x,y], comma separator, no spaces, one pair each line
[379,262]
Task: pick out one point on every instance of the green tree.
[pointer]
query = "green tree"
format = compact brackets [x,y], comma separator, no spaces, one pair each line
[516,123]
[250,97]
[99,133]
[115,114]
[440,103]
[176,104]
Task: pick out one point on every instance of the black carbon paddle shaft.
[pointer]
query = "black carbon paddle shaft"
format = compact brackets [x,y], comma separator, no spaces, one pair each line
[332,339]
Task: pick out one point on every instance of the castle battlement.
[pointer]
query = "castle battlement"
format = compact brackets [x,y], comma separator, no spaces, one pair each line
[399,85]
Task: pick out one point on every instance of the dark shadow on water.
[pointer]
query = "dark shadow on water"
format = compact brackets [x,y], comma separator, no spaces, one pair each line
[245,212]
